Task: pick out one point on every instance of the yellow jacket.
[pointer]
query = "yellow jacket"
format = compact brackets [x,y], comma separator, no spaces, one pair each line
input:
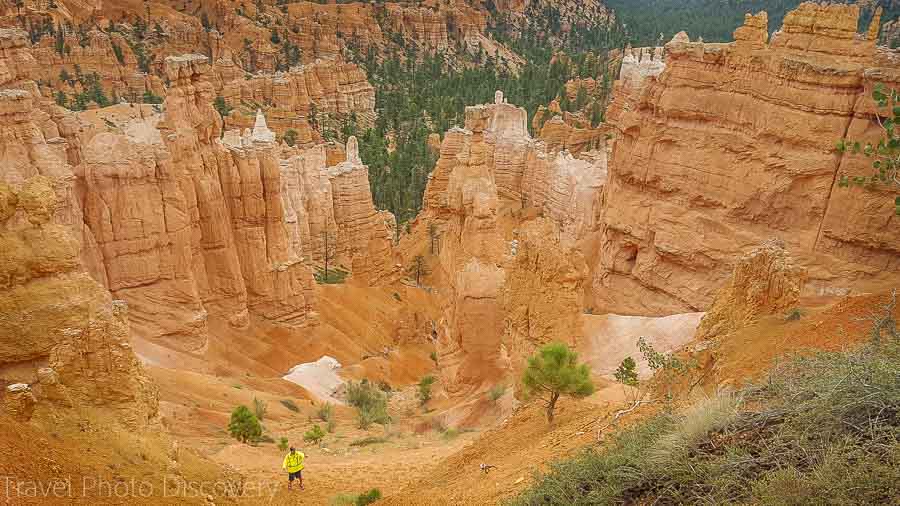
[293,462]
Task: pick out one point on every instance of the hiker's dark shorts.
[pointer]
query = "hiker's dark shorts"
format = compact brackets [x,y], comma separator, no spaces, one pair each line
[297,475]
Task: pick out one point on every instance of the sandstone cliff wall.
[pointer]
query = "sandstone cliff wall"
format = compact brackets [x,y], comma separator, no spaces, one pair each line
[298,98]
[733,144]
[63,340]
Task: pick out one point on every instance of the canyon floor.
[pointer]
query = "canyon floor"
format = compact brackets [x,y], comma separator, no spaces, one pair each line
[410,461]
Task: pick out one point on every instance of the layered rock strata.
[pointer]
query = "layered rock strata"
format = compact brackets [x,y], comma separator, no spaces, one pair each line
[302,97]
[732,144]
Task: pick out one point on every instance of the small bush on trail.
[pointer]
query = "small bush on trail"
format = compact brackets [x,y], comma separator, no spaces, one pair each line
[283,443]
[314,435]
[368,497]
[244,426]
[362,499]
[370,403]
[793,315]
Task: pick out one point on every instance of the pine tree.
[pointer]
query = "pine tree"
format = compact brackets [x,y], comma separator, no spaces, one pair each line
[553,372]
[244,426]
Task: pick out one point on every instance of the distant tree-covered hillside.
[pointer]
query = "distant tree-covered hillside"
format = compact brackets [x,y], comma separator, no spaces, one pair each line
[650,22]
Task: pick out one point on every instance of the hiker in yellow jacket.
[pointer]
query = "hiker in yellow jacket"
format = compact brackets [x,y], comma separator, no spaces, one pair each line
[293,464]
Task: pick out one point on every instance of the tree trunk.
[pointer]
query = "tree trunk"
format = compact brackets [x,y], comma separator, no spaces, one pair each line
[551,405]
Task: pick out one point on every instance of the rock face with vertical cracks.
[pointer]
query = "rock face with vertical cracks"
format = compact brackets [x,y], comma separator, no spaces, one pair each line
[62,337]
[724,146]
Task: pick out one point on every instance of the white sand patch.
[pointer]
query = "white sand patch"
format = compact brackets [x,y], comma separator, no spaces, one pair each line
[320,378]
[608,339]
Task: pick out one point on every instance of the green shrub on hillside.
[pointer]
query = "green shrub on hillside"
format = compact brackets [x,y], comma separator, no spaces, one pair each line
[424,389]
[314,435]
[554,371]
[370,403]
[325,412]
[244,426]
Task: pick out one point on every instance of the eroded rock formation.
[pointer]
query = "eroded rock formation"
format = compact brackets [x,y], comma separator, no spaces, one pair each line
[300,98]
[183,222]
[62,337]
[731,144]
[765,281]
[513,282]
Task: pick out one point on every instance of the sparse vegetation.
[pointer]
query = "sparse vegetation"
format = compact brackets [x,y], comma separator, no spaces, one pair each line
[362,499]
[418,269]
[244,426]
[283,443]
[665,366]
[424,389]
[821,429]
[793,315]
[291,405]
[370,403]
[885,154]
[496,392]
[553,372]
[325,412]
[117,51]
[334,276]
[626,373]
[314,435]
[290,137]
[260,408]
[370,440]
[222,107]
